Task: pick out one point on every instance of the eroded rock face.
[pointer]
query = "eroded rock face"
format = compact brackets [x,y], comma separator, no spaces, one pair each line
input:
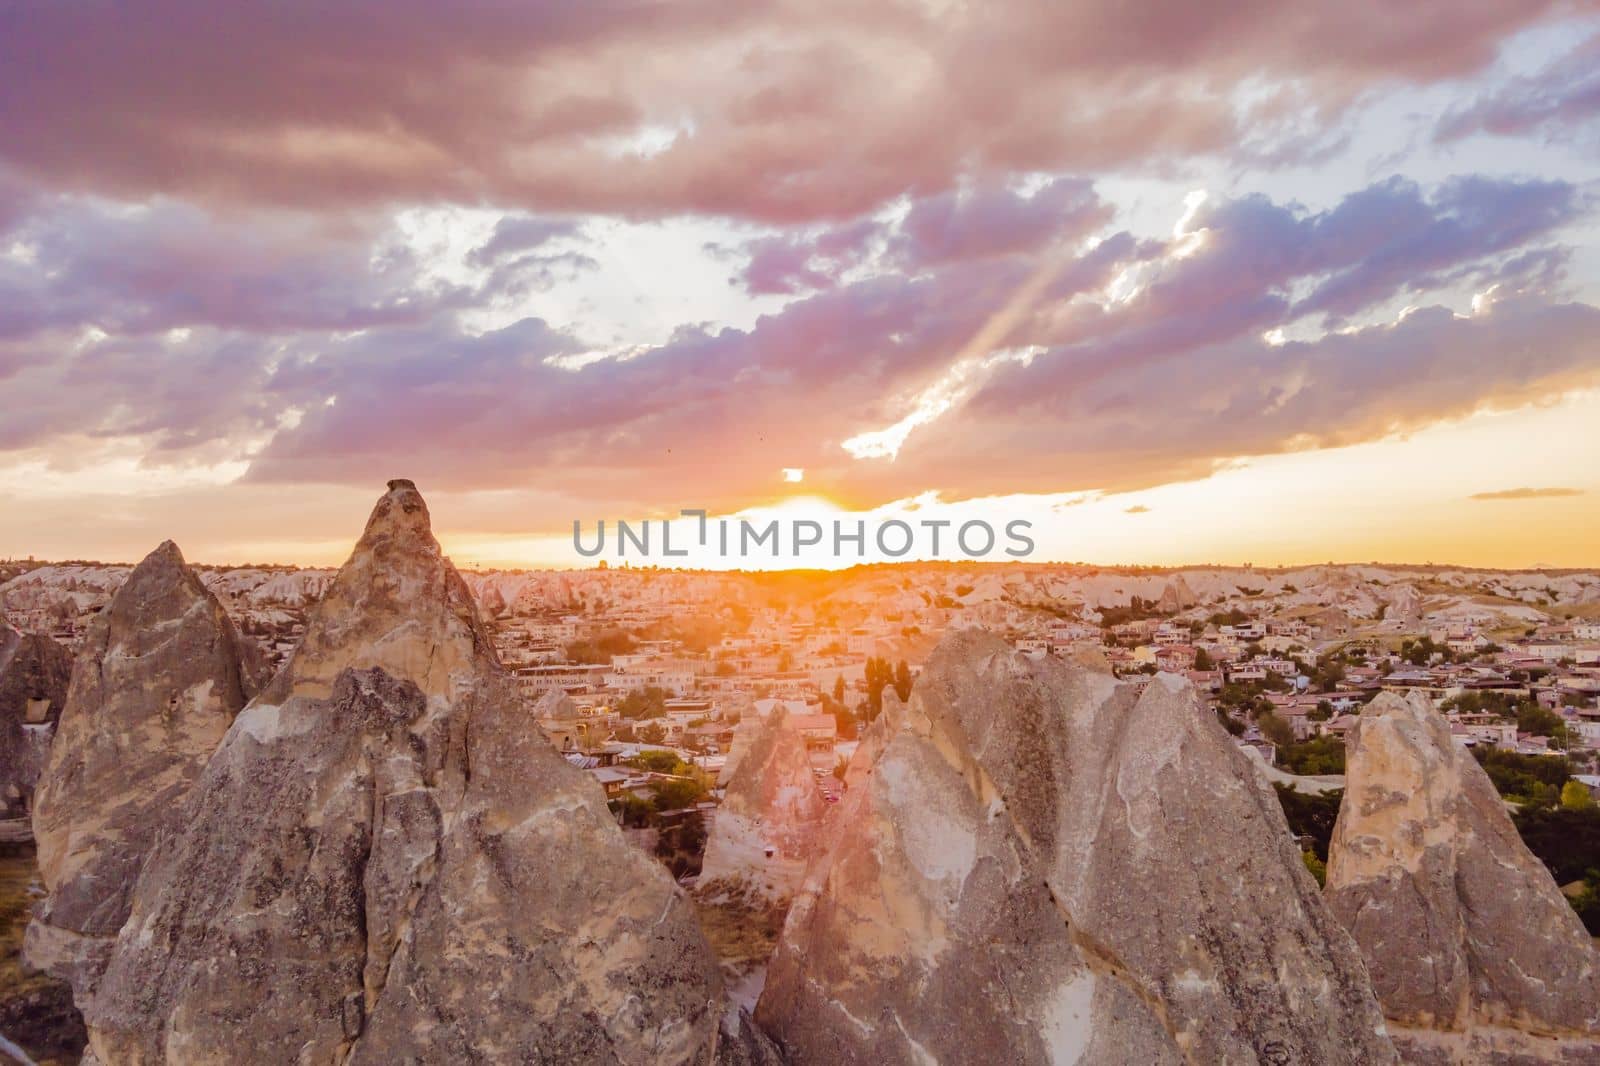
[384,862]
[34,674]
[159,680]
[766,829]
[1473,951]
[926,932]
[555,706]
[1144,875]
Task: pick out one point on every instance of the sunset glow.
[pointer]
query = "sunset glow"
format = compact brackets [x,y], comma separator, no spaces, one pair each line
[1327,291]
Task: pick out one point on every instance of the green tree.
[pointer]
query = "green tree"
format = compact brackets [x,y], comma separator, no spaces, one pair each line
[1529,780]
[838,689]
[631,810]
[1575,796]
[879,675]
[1311,816]
[647,702]
[1566,841]
[600,649]
[1202,660]
[1317,756]
[902,680]
[677,793]
[1537,720]
[659,762]
[1275,729]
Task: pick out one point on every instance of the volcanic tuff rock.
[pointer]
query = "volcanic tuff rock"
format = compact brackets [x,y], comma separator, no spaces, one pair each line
[925,932]
[380,864]
[564,726]
[745,732]
[1177,596]
[158,681]
[874,737]
[1045,864]
[766,829]
[1474,953]
[34,673]
[555,706]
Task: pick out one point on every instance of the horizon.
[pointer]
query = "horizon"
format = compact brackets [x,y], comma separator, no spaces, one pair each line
[629,566]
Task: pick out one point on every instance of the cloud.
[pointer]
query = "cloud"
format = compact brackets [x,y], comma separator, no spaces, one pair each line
[169,265]
[1052,426]
[319,353]
[1164,384]
[1526,494]
[968,225]
[984,222]
[782,111]
[515,234]
[1560,101]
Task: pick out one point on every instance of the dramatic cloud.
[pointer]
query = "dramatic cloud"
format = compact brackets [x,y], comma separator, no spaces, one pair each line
[313,356]
[1130,427]
[779,110]
[634,254]
[169,265]
[1527,494]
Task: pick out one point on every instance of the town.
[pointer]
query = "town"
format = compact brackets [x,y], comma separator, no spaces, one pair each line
[651,679]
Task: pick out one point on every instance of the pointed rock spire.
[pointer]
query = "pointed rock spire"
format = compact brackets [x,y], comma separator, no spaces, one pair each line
[925,931]
[1474,953]
[159,679]
[385,862]
[766,829]
[1012,775]
[555,706]
[397,604]
[34,673]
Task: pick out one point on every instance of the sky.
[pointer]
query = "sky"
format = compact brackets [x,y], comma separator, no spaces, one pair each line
[1244,282]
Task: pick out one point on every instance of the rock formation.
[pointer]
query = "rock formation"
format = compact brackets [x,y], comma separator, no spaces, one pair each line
[554,706]
[566,729]
[159,680]
[1473,951]
[926,933]
[383,863]
[1044,866]
[745,731]
[1176,596]
[766,829]
[34,673]
[874,737]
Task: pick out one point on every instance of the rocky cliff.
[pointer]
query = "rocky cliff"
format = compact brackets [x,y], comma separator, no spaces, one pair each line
[766,829]
[158,681]
[34,674]
[1043,865]
[1474,953]
[384,863]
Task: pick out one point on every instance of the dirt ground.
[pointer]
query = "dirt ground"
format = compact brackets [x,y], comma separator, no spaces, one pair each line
[36,1011]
